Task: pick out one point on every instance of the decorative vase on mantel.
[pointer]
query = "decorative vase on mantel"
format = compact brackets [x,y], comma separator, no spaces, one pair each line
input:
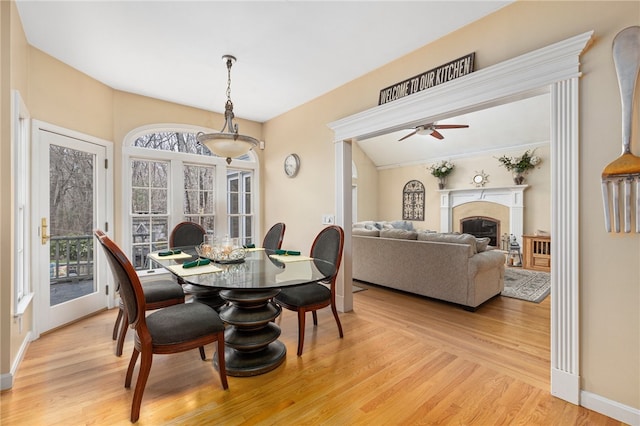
[518,178]
[442,182]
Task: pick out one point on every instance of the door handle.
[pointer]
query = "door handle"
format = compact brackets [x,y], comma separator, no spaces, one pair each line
[43,231]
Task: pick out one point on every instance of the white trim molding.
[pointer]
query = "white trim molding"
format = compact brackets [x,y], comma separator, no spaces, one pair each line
[555,69]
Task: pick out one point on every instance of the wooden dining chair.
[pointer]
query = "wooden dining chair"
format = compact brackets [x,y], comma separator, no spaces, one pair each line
[274,236]
[157,293]
[173,329]
[191,234]
[328,246]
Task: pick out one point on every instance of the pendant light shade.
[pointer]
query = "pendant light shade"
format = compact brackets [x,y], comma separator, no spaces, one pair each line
[229,144]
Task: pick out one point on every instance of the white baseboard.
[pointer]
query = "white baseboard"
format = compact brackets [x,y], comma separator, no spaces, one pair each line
[6,380]
[610,408]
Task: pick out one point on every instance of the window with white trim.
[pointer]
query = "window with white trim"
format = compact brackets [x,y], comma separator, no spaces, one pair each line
[22,293]
[172,178]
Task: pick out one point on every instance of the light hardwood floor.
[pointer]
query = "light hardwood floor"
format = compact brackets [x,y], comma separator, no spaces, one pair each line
[404,360]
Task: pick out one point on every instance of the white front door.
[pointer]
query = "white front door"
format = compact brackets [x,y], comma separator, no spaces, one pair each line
[71,199]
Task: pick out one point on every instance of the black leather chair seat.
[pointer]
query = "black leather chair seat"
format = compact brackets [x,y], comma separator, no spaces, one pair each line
[308,294]
[183,323]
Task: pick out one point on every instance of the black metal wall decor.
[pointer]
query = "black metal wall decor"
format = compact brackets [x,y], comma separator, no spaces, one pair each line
[413,201]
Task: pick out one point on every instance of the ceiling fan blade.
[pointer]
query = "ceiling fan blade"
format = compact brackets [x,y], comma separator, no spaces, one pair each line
[436,134]
[407,136]
[450,126]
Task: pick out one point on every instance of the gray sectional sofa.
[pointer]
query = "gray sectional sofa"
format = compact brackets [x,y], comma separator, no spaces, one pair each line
[457,268]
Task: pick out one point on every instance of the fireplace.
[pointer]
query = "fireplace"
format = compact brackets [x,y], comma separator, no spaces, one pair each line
[482,226]
[511,197]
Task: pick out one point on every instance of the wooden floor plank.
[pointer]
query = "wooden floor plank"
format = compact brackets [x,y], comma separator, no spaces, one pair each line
[404,360]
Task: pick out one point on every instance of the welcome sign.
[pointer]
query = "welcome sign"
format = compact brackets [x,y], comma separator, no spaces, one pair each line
[442,74]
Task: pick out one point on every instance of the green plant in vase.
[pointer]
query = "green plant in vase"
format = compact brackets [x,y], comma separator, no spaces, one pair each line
[519,166]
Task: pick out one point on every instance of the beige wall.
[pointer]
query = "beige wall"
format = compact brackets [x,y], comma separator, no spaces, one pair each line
[366,184]
[609,272]
[537,198]
[13,76]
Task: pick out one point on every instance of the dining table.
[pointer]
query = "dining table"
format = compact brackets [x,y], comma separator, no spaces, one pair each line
[247,289]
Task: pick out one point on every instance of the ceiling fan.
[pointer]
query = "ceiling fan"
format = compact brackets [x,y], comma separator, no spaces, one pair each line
[432,129]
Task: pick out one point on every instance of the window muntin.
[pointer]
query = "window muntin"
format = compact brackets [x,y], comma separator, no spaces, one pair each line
[149,208]
[199,195]
[239,205]
[196,190]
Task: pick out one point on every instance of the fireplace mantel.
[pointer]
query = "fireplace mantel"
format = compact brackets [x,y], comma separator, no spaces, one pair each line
[509,196]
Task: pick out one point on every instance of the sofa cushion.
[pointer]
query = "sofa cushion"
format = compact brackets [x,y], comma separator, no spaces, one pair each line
[482,244]
[455,238]
[399,234]
[402,224]
[365,232]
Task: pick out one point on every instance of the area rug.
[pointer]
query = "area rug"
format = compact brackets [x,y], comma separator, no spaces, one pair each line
[532,286]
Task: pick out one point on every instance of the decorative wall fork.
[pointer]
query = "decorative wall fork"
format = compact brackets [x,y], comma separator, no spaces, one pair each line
[624,172]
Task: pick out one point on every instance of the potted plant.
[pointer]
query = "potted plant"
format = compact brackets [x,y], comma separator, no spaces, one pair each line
[519,166]
[441,170]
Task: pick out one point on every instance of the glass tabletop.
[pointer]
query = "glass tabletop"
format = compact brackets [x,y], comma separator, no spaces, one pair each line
[261,269]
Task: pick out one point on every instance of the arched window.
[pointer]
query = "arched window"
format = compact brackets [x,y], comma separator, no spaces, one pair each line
[168,177]
[413,201]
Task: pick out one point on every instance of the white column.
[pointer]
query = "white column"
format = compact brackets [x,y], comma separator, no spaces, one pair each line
[445,211]
[516,213]
[565,321]
[343,202]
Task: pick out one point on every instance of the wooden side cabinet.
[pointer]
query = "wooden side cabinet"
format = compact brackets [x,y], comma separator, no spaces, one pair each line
[537,252]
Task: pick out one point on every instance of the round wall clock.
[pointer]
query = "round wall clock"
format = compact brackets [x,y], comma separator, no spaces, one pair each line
[291,165]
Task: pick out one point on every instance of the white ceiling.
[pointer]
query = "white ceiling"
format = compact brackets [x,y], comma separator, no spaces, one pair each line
[289,52]
[523,122]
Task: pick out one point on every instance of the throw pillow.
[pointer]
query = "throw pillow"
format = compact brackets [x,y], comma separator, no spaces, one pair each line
[402,224]
[482,244]
[399,234]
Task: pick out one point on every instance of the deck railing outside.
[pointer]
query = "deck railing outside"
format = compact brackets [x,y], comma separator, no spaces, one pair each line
[71,258]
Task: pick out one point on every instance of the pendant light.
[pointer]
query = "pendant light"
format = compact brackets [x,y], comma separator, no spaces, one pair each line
[229,144]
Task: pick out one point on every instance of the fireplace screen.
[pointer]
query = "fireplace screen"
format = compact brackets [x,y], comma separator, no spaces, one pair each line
[480,226]
[413,201]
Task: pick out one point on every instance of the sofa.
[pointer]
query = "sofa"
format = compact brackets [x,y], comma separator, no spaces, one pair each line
[457,268]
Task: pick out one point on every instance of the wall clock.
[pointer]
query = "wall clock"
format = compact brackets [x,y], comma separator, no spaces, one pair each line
[479,179]
[291,165]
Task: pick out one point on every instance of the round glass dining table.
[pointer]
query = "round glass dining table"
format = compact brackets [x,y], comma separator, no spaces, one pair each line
[246,291]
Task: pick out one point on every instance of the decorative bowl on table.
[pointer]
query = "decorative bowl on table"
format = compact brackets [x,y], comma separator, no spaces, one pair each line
[225,250]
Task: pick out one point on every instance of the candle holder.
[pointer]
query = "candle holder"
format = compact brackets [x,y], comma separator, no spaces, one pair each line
[222,250]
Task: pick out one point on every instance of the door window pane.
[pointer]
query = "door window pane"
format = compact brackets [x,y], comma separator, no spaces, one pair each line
[71,208]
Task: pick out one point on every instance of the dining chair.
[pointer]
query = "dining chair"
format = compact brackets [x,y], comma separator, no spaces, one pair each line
[328,246]
[169,330]
[191,234]
[187,234]
[157,294]
[274,236]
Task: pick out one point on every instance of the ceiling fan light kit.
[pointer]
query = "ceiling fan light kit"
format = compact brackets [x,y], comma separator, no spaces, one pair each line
[432,130]
[229,144]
